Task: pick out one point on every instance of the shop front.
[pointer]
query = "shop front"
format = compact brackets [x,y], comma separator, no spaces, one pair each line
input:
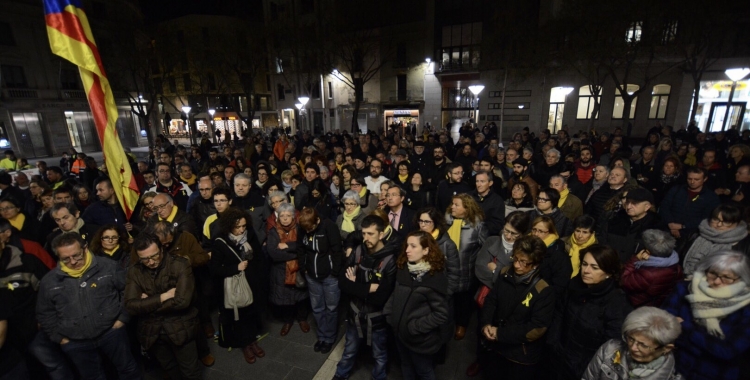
[401,121]
[715,113]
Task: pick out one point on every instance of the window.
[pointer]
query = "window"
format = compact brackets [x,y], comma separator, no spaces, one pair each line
[13,76]
[633,34]
[187,84]
[211,82]
[69,79]
[659,101]
[315,93]
[172,85]
[586,103]
[557,107]
[670,32]
[6,35]
[401,86]
[280,91]
[619,106]
[460,48]
[330,90]
[400,55]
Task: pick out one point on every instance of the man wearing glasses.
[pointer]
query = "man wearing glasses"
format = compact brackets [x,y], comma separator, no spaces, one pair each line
[79,307]
[165,183]
[165,209]
[67,217]
[202,205]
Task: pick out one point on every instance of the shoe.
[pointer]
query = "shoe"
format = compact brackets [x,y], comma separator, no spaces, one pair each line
[316,347]
[460,333]
[257,350]
[325,348]
[249,355]
[285,329]
[473,369]
[304,326]
[208,360]
[209,330]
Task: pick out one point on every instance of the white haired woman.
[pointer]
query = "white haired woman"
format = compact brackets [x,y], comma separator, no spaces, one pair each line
[713,309]
[644,352]
[351,219]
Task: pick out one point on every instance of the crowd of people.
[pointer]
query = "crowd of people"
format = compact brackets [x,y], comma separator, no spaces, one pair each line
[592,255]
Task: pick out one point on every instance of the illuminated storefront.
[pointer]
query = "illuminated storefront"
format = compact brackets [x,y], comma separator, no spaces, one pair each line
[713,101]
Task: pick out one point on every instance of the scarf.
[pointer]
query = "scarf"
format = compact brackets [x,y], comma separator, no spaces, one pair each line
[403,178]
[79,225]
[18,221]
[551,238]
[454,232]
[523,278]
[667,179]
[690,160]
[241,241]
[709,240]
[287,187]
[563,197]
[638,370]
[287,234]
[418,270]
[363,192]
[347,223]
[507,246]
[190,181]
[334,190]
[435,234]
[710,305]
[171,216]
[77,273]
[659,262]
[575,252]
[260,184]
[112,252]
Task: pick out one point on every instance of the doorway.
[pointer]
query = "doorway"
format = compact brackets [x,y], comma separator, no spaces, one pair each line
[719,110]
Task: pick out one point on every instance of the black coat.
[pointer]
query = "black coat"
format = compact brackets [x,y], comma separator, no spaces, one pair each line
[595,205]
[556,267]
[623,235]
[446,191]
[320,251]
[494,211]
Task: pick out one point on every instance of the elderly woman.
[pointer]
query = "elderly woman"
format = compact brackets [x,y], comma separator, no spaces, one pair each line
[351,219]
[643,352]
[516,315]
[367,200]
[651,275]
[590,312]
[713,309]
[520,199]
[290,301]
[723,230]
[497,250]
[28,226]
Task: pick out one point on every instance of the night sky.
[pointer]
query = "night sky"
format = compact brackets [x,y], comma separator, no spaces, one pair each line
[160,10]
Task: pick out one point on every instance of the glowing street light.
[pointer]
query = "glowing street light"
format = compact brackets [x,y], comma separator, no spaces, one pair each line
[736,75]
[476,89]
[303,100]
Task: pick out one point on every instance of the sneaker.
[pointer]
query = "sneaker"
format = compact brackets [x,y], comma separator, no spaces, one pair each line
[325,348]
[316,347]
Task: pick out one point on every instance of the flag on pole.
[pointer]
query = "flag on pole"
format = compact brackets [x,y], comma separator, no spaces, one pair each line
[70,37]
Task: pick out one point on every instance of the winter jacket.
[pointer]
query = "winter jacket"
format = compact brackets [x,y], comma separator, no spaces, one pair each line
[255,205]
[492,249]
[102,213]
[701,355]
[494,211]
[452,262]
[585,318]
[556,267]
[224,264]
[175,316]
[472,239]
[185,245]
[572,208]
[533,186]
[357,221]
[182,222]
[563,225]
[446,191]
[595,204]
[522,316]
[418,310]
[87,231]
[201,209]
[624,235]
[179,191]
[320,251]
[677,207]
[19,282]
[85,307]
[649,286]
[603,367]
[280,293]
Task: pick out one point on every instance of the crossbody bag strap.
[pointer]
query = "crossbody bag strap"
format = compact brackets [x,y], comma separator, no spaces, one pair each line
[523,296]
[230,248]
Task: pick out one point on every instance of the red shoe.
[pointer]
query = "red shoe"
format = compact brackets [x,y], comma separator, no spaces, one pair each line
[249,355]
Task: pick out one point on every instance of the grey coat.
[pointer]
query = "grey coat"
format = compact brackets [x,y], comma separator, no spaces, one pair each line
[280,293]
[357,220]
[472,239]
[492,248]
[602,366]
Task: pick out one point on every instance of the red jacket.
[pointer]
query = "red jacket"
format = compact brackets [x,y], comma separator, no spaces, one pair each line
[33,248]
[649,286]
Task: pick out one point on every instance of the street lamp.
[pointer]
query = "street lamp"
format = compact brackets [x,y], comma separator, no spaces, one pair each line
[186,110]
[736,75]
[213,126]
[476,89]
[299,107]
[304,100]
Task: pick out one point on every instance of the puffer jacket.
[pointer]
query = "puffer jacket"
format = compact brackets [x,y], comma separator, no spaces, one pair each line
[182,221]
[521,327]
[321,251]
[452,262]
[175,316]
[491,250]
[472,239]
[85,307]
[417,311]
[603,366]
[649,286]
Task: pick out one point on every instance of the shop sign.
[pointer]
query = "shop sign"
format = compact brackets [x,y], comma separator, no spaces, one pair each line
[402,112]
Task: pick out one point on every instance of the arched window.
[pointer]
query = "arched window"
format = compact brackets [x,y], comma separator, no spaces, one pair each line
[659,101]
[586,103]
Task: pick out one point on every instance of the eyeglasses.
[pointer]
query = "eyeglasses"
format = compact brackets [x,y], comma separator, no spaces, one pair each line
[423,221]
[522,263]
[538,231]
[712,276]
[641,347]
[350,204]
[152,257]
[713,220]
[356,184]
[262,174]
[77,257]
[110,238]
[4,209]
[540,199]
[507,232]
[159,207]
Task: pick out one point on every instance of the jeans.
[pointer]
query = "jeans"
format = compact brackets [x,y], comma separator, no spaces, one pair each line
[179,362]
[113,344]
[51,356]
[415,366]
[324,298]
[349,357]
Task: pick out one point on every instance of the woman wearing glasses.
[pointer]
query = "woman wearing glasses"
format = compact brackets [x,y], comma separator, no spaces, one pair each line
[723,230]
[643,352]
[714,313]
[351,219]
[590,312]
[111,242]
[557,268]
[367,200]
[431,221]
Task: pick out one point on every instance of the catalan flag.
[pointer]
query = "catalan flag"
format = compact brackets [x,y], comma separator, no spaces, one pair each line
[70,37]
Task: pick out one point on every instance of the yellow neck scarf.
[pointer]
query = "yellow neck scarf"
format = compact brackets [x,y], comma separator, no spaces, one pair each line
[17,222]
[454,232]
[362,193]
[690,160]
[77,273]
[112,252]
[551,238]
[170,218]
[563,197]
[436,234]
[190,181]
[575,252]
[347,225]
[403,178]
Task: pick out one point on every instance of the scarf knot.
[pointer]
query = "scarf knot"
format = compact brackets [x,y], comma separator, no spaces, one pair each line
[241,241]
[418,270]
[710,305]
[347,222]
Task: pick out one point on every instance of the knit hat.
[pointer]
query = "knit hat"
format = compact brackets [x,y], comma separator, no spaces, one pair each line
[521,161]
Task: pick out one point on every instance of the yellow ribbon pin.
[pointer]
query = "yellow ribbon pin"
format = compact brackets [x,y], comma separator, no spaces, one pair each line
[527,300]
[10,286]
[93,285]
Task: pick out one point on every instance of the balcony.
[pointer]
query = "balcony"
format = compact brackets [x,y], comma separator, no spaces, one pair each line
[20,93]
[456,67]
[405,96]
[73,94]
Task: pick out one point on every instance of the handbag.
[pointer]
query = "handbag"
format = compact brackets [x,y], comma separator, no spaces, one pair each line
[290,274]
[237,292]
[483,291]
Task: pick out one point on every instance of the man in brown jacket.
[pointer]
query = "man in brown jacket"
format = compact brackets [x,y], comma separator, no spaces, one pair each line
[159,289]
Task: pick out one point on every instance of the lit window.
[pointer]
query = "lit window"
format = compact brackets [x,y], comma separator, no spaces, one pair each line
[619,106]
[586,103]
[659,101]
[633,34]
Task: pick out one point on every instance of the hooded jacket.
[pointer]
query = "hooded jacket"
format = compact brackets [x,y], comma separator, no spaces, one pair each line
[320,251]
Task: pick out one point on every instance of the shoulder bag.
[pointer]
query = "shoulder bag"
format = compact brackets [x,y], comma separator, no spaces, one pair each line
[237,292]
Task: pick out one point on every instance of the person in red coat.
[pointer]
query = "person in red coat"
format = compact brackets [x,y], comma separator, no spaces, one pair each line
[652,274]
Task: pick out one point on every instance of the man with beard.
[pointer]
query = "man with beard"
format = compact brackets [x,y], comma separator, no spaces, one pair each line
[644,169]
[625,228]
[375,178]
[439,165]
[419,160]
[165,183]
[584,166]
[249,199]
[490,202]
[466,158]
[684,207]
[520,174]
[452,184]
[618,177]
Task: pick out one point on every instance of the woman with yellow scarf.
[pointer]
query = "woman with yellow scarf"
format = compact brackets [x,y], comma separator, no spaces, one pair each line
[582,238]
[351,219]
[10,209]
[111,242]
[556,267]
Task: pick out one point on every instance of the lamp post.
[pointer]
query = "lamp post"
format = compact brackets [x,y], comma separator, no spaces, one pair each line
[735,75]
[186,110]
[299,107]
[213,126]
[303,100]
[476,89]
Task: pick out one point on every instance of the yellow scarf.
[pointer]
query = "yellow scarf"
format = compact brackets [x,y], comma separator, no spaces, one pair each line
[575,255]
[454,232]
[207,225]
[170,218]
[403,178]
[435,233]
[362,193]
[17,222]
[551,238]
[77,273]
[339,166]
[563,197]
[690,160]
[190,181]
[347,225]
[112,252]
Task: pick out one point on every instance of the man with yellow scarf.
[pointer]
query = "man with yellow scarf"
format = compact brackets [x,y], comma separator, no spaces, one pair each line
[79,307]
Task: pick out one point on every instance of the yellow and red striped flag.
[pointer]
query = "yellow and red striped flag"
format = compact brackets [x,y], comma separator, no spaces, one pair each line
[70,37]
